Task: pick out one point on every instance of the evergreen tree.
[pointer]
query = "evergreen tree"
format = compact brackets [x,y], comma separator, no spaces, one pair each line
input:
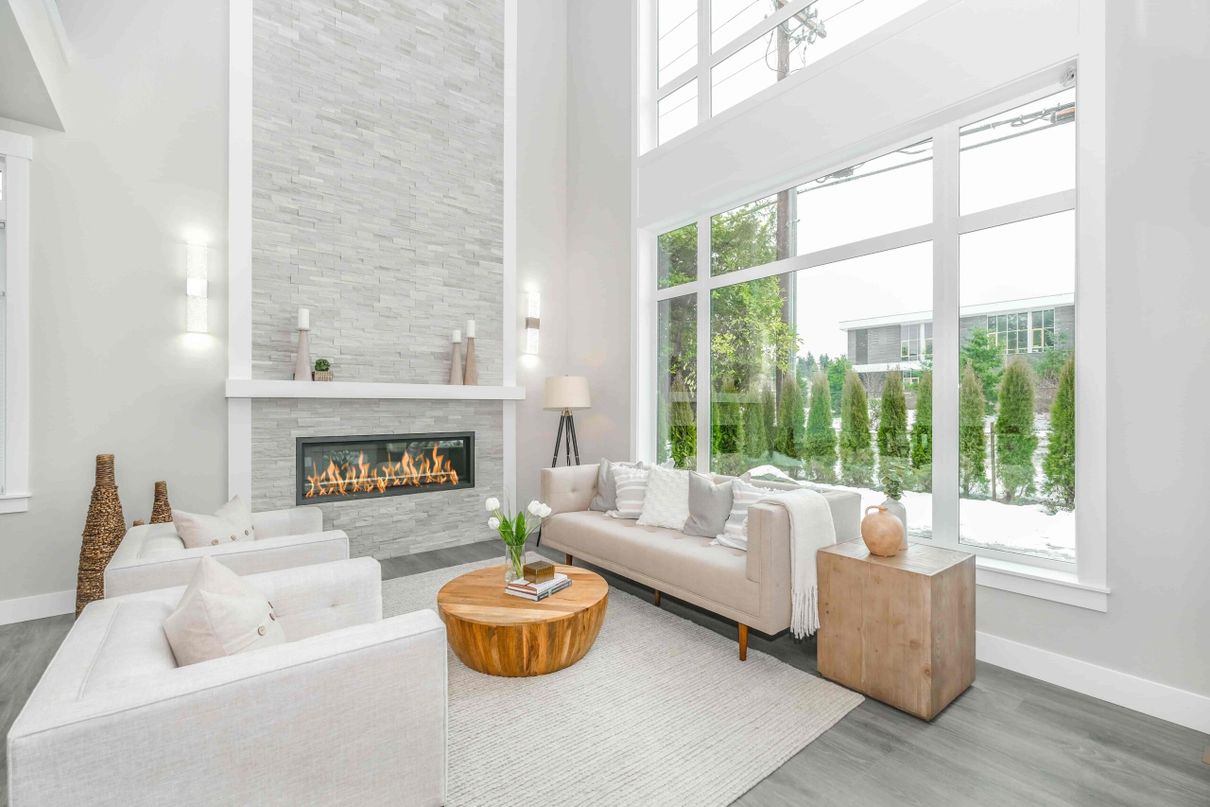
[972,449]
[894,446]
[682,427]
[791,419]
[768,412]
[837,369]
[1015,438]
[922,431]
[756,439]
[729,430]
[819,448]
[987,359]
[1060,463]
[856,456]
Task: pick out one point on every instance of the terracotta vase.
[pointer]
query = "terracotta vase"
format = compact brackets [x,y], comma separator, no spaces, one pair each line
[881,531]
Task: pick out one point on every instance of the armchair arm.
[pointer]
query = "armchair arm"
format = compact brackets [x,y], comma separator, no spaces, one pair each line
[568,489]
[243,557]
[290,521]
[244,728]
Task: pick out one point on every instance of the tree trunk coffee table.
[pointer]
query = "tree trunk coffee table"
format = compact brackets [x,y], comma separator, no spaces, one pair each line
[499,634]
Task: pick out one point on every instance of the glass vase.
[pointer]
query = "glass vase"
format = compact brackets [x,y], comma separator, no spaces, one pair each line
[514,562]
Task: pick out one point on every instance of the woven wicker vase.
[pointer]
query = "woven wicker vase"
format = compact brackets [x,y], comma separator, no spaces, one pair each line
[103,530]
[161,510]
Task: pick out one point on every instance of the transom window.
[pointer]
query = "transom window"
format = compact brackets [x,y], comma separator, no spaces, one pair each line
[751,45]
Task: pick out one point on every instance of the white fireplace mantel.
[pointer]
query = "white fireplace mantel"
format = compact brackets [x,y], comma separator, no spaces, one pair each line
[250,388]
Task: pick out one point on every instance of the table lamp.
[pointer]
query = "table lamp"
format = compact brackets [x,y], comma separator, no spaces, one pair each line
[563,394]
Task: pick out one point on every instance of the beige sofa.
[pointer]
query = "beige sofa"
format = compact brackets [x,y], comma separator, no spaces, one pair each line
[752,587]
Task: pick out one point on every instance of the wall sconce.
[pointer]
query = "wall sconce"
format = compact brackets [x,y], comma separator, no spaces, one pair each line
[533,314]
[196,315]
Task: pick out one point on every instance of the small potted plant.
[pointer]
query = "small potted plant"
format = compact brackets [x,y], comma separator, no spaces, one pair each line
[892,486]
[514,531]
[323,370]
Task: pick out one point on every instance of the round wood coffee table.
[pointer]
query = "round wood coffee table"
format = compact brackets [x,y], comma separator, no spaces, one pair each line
[499,634]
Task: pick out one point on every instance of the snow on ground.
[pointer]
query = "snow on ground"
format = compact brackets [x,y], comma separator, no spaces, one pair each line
[1025,528]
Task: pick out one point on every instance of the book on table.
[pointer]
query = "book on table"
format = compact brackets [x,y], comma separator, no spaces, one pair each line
[538,591]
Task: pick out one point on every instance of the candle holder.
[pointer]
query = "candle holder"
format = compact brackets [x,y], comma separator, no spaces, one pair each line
[456,359]
[302,365]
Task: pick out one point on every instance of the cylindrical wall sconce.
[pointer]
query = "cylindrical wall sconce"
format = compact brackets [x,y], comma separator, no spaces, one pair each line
[196,273]
[533,314]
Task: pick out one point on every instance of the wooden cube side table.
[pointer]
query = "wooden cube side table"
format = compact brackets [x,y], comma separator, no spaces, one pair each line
[901,629]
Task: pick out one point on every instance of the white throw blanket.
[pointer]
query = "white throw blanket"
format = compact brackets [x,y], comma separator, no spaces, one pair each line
[811,528]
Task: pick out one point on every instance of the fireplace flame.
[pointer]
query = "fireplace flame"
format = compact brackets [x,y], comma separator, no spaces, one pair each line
[430,468]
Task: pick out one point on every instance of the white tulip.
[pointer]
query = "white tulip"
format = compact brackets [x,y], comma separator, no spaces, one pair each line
[535,508]
[494,523]
[545,510]
[492,504]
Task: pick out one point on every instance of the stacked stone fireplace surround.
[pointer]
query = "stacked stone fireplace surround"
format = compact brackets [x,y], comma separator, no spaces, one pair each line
[378,204]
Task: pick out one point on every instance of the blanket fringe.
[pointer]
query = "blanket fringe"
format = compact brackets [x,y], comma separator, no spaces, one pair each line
[805,613]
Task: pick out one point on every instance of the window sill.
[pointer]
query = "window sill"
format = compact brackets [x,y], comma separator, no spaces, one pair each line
[14,502]
[1045,584]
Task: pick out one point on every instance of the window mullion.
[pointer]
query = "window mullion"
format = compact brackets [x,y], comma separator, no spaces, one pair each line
[703,342]
[946,326]
[703,62]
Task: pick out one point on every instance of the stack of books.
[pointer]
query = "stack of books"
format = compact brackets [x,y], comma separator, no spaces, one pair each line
[537,591]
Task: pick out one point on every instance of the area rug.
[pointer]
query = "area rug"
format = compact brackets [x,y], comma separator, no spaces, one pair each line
[660,712]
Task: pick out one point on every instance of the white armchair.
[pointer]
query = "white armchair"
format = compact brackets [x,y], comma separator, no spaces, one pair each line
[153,556]
[351,710]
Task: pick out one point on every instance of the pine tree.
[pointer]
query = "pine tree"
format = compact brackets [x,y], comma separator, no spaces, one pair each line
[1060,463]
[768,413]
[819,448]
[856,456]
[1015,438]
[922,432]
[894,446]
[987,360]
[791,419]
[972,449]
[682,427]
[756,439]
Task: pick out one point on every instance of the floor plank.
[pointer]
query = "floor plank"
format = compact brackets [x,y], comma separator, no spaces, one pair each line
[1009,740]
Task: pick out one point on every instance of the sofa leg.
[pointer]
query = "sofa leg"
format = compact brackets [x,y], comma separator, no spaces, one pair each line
[568,560]
[743,642]
[657,599]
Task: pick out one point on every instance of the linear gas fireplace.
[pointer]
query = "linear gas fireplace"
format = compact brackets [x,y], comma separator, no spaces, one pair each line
[370,466]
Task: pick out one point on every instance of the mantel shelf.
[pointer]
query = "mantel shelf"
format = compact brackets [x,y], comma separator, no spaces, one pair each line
[251,388]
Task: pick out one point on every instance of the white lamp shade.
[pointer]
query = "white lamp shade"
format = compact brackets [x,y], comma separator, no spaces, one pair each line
[566,392]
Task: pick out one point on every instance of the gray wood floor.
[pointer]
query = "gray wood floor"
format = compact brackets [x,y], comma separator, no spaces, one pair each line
[1009,740]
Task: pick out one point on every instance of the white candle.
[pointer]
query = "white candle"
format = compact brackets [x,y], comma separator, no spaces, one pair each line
[304,319]
[470,329]
[457,335]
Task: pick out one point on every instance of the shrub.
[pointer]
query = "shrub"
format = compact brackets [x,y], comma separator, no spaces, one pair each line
[987,360]
[756,438]
[1060,463]
[791,419]
[972,450]
[819,448]
[682,427]
[922,432]
[856,456]
[1015,438]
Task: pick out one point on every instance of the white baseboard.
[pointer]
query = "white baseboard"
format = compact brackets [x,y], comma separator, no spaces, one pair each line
[1149,697]
[38,606]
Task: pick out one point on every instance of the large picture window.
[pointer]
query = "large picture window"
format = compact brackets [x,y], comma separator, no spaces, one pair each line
[821,324]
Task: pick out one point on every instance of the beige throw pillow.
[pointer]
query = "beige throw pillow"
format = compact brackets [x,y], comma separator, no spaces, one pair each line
[231,522]
[220,614]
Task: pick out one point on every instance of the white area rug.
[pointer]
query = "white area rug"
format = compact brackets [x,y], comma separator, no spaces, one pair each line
[660,712]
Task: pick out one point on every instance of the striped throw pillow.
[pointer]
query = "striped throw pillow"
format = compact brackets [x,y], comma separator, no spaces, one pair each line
[631,485]
[735,531]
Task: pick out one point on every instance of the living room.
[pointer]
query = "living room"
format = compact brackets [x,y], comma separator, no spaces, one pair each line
[469,403]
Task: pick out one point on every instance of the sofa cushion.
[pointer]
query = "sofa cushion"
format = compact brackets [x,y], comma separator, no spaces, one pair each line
[631,484]
[606,496]
[743,496]
[709,506]
[667,501]
[668,559]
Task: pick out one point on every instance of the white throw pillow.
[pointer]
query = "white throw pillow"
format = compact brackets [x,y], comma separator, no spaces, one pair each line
[735,531]
[667,500]
[231,522]
[631,484]
[220,614]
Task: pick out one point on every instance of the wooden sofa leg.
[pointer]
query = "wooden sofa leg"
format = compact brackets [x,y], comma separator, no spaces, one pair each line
[743,642]
[568,560]
[657,599]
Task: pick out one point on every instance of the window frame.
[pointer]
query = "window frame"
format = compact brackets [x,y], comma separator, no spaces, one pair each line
[1082,583]
[17,152]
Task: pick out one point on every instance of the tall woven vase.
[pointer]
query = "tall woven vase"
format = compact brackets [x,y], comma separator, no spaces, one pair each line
[161,510]
[103,530]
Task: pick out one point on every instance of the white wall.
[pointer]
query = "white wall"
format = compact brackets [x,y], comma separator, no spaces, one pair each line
[541,221]
[142,163]
[1158,623]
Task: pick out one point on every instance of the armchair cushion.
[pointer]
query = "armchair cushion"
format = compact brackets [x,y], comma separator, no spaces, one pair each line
[221,614]
[231,522]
